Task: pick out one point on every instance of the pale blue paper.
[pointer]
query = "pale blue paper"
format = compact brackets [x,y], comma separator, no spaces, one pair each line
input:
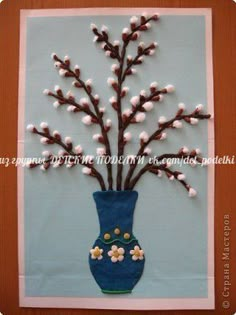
[60,217]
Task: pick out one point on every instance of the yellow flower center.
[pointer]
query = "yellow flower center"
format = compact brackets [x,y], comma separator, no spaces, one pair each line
[96,252]
[137,252]
[115,254]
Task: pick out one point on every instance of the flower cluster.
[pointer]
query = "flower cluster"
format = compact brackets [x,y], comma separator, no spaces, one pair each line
[117,254]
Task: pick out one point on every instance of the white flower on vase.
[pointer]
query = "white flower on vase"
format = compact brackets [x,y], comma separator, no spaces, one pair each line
[116,254]
[137,253]
[96,253]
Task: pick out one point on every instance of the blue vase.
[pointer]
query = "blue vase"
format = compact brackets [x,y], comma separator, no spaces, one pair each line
[116,259]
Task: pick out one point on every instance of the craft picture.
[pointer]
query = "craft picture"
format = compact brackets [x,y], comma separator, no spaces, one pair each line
[116,258]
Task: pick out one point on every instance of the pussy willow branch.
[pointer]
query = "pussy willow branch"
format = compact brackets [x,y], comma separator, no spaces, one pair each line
[99,118]
[139,106]
[105,38]
[72,153]
[121,78]
[150,166]
[153,136]
[133,62]
[70,101]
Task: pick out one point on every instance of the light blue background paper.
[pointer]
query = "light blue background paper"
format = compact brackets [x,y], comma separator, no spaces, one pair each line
[61,223]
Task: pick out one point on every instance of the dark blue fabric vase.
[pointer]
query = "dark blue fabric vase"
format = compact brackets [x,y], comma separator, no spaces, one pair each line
[116,259]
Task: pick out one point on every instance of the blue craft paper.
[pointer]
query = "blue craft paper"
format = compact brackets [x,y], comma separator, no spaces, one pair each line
[61,223]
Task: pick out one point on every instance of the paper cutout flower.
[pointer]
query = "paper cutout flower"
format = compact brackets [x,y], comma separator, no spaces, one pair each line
[116,254]
[96,253]
[137,253]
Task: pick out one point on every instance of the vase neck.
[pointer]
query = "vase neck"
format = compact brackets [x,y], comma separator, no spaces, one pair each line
[115,212]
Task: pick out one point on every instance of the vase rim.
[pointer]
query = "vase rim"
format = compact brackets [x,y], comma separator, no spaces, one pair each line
[115,191]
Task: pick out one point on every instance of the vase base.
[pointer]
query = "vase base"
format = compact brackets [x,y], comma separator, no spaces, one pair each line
[116,292]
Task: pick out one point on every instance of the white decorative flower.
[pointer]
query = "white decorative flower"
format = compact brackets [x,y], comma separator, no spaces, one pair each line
[116,254]
[154,85]
[112,99]
[104,29]
[177,124]
[89,82]
[170,88]
[144,136]
[93,26]
[125,30]
[116,43]
[30,127]
[133,19]
[140,117]
[161,97]
[137,253]
[199,107]
[108,123]
[46,91]
[62,72]
[78,149]
[46,154]
[181,177]
[163,136]
[127,136]
[127,112]
[87,120]
[70,94]
[111,81]
[57,88]
[193,121]
[162,120]
[68,140]
[181,106]
[96,253]
[185,149]
[71,108]
[56,104]
[147,151]
[192,192]
[148,106]
[86,170]
[101,151]
[43,125]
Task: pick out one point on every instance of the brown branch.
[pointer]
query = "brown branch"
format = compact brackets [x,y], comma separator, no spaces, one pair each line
[153,169]
[154,136]
[162,166]
[98,116]
[141,103]
[70,101]
[121,79]
[103,37]
[72,153]
[135,61]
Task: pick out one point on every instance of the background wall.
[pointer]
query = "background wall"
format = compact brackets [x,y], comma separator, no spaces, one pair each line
[224,48]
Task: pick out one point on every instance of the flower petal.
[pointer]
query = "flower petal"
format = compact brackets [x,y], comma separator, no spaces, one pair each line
[136,247]
[121,251]
[110,253]
[134,257]
[113,259]
[121,257]
[100,257]
[114,248]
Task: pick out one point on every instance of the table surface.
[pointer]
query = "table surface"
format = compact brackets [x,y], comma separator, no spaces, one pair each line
[224,59]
